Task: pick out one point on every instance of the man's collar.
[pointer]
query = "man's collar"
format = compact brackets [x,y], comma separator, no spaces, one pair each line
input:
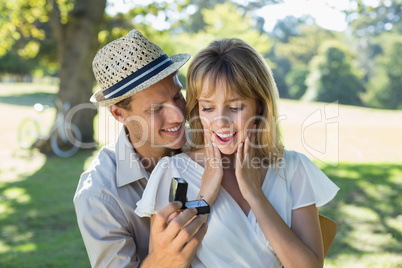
[128,165]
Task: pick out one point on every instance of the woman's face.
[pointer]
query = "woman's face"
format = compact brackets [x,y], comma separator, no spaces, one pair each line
[226,117]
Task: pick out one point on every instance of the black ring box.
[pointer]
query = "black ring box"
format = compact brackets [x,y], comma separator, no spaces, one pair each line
[178,190]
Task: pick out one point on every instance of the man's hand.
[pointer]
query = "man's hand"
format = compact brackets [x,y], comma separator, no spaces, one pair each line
[175,236]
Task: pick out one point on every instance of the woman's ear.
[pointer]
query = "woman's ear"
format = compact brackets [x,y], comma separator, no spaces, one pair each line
[117,112]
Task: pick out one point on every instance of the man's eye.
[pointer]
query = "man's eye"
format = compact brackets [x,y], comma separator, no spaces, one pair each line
[179,96]
[156,108]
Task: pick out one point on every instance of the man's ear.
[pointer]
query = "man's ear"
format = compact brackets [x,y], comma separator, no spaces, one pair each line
[118,113]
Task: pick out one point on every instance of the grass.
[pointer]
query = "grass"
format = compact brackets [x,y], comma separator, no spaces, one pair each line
[368,212]
[37,219]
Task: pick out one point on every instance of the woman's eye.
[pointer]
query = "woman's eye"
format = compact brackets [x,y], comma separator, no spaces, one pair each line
[206,109]
[237,108]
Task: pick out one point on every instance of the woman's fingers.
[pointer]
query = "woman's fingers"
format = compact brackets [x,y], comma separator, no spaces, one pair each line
[247,147]
[212,151]
[253,137]
[239,155]
[207,144]
[217,153]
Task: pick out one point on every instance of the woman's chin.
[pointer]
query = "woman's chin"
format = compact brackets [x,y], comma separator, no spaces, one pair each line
[227,150]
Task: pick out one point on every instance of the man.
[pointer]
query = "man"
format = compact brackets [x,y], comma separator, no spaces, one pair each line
[139,85]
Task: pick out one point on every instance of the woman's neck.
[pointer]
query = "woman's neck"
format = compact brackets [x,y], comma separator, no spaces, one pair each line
[228,162]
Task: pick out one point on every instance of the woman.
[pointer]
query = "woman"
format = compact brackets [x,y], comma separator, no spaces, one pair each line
[263,198]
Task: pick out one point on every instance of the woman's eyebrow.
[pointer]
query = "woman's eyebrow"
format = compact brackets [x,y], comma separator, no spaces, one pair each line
[204,100]
[229,100]
[235,99]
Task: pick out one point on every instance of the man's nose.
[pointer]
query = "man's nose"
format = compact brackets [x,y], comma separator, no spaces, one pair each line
[174,113]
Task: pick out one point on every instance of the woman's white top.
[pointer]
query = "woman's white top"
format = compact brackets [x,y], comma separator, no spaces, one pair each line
[235,239]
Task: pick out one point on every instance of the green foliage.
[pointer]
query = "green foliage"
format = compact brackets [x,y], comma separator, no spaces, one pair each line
[225,20]
[14,64]
[303,47]
[372,18]
[296,79]
[20,21]
[385,87]
[196,22]
[296,44]
[332,76]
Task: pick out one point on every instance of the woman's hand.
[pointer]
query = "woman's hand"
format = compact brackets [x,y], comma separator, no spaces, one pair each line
[212,178]
[248,168]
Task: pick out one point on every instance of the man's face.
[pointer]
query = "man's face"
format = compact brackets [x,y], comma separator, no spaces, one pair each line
[156,118]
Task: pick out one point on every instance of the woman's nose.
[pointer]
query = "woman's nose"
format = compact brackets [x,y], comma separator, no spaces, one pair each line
[222,121]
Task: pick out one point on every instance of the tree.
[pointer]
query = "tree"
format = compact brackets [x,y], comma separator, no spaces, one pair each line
[74,26]
[196,22]
[296,81]
[375,17]
[384,89]
[367,21]
[332,76]
[225,20]
[296,43]
[286,28]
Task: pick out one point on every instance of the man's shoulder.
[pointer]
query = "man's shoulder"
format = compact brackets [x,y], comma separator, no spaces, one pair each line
[100,175]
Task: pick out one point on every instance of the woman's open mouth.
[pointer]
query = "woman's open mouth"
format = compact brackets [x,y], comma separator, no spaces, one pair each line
[226,137]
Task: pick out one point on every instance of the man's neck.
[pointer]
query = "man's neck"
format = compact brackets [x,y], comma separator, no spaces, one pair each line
[150,158]
[150,155]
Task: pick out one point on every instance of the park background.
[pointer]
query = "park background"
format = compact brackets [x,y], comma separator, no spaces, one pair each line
[341,99]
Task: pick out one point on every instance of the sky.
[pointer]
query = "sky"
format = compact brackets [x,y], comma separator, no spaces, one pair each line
[328,14]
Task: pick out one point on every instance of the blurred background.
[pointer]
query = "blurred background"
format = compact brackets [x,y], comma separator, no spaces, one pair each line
[337,65]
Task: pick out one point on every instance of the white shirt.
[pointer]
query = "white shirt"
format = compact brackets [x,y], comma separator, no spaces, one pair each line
[234,239]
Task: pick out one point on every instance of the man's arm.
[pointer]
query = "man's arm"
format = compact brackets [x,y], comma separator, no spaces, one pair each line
[174,237]
[102,225]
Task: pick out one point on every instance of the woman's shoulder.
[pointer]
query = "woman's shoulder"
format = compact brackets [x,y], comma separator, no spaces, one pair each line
[294,162]
[293,158]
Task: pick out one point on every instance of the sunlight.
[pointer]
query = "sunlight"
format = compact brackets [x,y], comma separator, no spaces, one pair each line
[3,247]
[5,210]
[17,194]
[359,214]
[27,247]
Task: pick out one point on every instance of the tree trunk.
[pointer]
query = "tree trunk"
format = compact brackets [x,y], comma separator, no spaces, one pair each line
[77,42]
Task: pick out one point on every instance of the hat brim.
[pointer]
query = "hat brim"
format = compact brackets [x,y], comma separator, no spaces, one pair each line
[178,61]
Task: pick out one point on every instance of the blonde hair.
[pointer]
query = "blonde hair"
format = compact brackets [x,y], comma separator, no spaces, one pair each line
[244,71]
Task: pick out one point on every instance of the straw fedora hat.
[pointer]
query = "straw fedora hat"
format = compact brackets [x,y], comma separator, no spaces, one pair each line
[131,64]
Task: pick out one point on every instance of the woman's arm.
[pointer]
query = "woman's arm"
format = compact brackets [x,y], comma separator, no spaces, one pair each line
[300,246]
